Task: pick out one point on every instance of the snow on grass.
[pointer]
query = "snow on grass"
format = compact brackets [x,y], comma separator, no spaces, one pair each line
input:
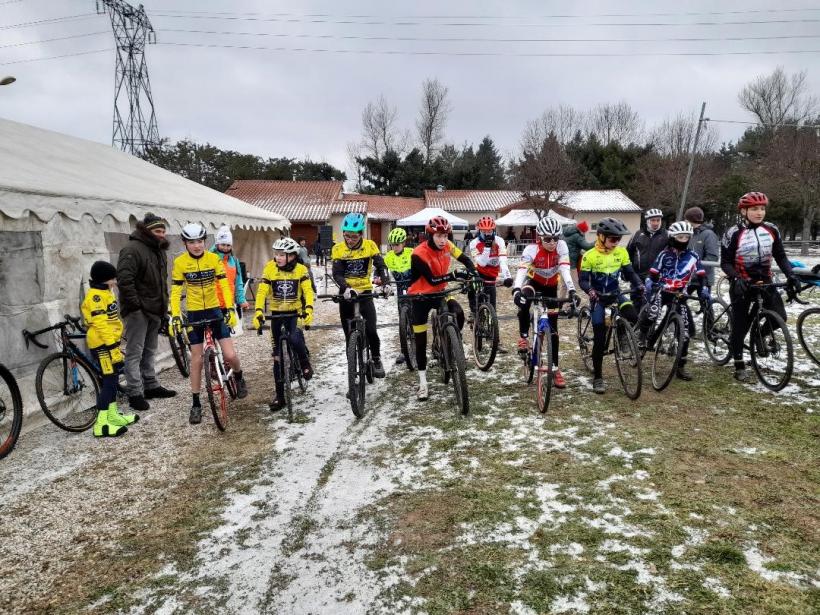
[758,562]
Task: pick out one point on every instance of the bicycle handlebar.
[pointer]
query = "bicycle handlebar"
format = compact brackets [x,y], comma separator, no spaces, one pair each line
[68,321]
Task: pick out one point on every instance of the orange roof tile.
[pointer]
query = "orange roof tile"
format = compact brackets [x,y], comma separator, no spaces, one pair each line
[299,201]
[387,208]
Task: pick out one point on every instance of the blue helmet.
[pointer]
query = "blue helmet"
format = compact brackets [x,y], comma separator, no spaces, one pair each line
[353,223]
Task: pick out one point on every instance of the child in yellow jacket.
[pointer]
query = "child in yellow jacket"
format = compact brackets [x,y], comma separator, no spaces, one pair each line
[103,334]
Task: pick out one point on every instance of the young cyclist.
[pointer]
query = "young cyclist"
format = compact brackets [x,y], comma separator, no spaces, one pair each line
[489,253]
[601,268]
[397,261]
[287,282]
[223,248]
[200,272]
[676,269]
[542,263]
[103,334]
[354,260]
[429,266]
[746,257]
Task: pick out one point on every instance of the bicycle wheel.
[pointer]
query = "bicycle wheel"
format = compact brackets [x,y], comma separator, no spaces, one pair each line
[355,373]
[543,388]
[296,368]
[11,412]
[722,288]
[217,395]
[286,373]
[407,337]
[668,351]
[808,332]
[67,388]
[585,336]
[718,333]
[627,358]
[771,350]
[485,336]
[455,353]
[181,353]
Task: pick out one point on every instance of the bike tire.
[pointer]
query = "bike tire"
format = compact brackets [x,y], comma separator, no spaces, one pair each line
[355,374]
[485,336]
[11,412]
[627,358]
[217,395]
[286,373]
[543,388]
[782,366]
[407,338]
[457,366]
[81,411]
[585,336]
[668,351]
[813,314]
[296,368]
[722,287]
[181,354]
[717,335]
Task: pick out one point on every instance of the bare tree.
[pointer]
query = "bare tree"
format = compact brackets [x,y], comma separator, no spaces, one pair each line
[354,154]
[561,122]
[619,123]
[779,98]
[544,173]
[433,114]
[379,130]
[675,135]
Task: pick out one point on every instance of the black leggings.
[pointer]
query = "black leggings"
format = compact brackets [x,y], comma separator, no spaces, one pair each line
[108,391]
[287,327]
[599,338]
[524,316]
[368,312]
[488,288]
[741,306]
[421,310]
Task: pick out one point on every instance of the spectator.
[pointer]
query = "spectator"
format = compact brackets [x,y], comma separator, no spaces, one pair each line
[319,251]
[223,248]
[468,237]
[704,242]
[577,245]
[304,258]
[644,248]
[510,236]
[142,277]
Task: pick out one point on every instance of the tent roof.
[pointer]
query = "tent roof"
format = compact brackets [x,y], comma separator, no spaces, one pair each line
[528,217]
[47,173]
[420,218]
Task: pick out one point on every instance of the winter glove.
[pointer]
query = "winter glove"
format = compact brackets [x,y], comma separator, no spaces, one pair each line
[175,326]
[230,317]
[793,285]
[307,317]
[508,282]
[462,274]
[575,301]
[258,319]
[705,293]
[349,294]
[165,323]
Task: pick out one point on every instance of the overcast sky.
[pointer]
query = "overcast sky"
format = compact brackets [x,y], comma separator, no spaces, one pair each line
[292,103]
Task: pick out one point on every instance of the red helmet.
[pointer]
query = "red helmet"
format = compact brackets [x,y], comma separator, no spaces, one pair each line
[486,224]
[438,224]
[752,199]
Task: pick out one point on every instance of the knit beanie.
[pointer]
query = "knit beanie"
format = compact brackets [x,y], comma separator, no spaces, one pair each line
[151,222]
[102,271]
[583,226]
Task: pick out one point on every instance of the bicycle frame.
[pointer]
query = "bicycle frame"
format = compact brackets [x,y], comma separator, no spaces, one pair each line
[66,343]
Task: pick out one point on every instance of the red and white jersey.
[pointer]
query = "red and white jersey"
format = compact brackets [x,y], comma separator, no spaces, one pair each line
[543,266]
[490,259]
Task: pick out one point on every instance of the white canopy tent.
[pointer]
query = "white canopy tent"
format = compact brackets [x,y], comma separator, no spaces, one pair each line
[528,217]
[421,218]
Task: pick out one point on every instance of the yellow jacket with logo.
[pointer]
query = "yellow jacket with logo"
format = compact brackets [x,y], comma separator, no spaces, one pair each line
[199,276]
[354,267]
[287,291]
[101,314]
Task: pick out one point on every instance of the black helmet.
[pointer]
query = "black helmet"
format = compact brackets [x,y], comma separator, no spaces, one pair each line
[613,227]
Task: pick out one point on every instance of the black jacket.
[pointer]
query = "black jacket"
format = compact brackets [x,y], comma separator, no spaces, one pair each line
[142,274]
[644,249]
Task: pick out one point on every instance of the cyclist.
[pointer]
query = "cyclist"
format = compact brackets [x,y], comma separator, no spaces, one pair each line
[542,263]
[200,272]
[354,261]
[677,268]
[429,268]
[746,256]
[601,267]
[223,248]
[287,282]
[489,253]
[103,334]
[397,261]
[645,246]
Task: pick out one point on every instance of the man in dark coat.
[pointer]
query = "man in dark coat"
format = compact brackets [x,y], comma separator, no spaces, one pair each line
[577,244]
[704,242]
[142,277]
[645,246]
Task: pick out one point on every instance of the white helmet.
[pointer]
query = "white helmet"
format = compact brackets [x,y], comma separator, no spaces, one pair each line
[653,213]
[548,226]
[223,235]
[193,231]
[286,245]
[681,228]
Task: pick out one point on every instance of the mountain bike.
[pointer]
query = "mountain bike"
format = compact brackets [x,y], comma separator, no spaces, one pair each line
[623,345]
[180,350]
[220,382]
[407,339]
[68,381]
[11,411]
[289,367]
[485,325]
[808,332]
[538,359]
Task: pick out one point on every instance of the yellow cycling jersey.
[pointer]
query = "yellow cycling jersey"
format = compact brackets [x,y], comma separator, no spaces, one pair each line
[356,265]
[604,269]
[199,277]
[101,314]
[287,291]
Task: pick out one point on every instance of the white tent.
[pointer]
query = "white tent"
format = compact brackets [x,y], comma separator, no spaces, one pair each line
[67,202]
[421,218]
[528,217]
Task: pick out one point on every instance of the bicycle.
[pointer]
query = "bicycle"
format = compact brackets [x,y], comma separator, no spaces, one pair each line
[11,411]
[538,359]
[624,347]
[485,325]
[67,382]
[407,339]
[289,367]
[220,382]
[359,363]
[180,350]
[447,347]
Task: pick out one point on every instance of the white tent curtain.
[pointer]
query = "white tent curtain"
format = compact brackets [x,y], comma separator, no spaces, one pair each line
[422,217]
[528,217]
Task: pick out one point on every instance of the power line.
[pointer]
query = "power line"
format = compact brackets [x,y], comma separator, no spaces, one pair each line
[65,55]
[747,123]
[51,40]
[48,21]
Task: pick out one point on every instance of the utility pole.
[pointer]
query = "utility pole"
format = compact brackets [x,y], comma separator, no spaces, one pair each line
[135,124]
[691,162]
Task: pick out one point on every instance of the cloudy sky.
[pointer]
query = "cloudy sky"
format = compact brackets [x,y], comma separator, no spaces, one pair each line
[285,101]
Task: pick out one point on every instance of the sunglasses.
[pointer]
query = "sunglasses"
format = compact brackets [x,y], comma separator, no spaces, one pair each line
[550,238]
